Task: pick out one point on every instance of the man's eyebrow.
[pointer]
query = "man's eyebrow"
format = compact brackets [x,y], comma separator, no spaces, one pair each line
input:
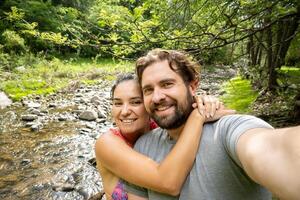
[167,80]
[146,86]
[161,81]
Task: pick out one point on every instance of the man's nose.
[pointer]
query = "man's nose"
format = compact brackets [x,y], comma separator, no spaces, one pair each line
[158,95]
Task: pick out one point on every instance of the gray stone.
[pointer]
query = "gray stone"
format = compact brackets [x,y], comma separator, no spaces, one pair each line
[52,105]
[29,124]
[101,120]
[33,105]
[101,114]
[34,111]
[88,115]
[62,118]
[85,130]
[96,100]
[90,126]
[4,100]
[29,117]
[25,161]
[36,127]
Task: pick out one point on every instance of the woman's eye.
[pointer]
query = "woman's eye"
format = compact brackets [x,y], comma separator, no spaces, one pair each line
[117,104]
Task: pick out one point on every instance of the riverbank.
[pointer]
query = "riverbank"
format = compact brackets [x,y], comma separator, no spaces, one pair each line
[47,141]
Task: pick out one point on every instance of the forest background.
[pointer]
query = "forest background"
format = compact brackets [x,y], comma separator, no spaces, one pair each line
[44,44]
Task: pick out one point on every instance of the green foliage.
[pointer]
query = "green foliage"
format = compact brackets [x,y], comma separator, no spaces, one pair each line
[293,55]
[13,41]
[47,76]
[239,94]
[288,76]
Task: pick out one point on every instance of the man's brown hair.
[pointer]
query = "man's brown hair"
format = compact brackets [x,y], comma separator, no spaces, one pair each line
[178,61]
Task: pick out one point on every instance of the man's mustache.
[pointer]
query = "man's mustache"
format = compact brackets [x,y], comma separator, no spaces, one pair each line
[162,103]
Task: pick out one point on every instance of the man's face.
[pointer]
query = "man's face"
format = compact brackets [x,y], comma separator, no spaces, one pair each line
[167,98]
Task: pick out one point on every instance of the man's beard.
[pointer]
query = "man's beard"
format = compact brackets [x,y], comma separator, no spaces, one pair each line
[179,117]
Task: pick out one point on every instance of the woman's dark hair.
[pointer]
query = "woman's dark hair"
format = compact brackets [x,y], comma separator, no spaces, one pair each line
[121,78]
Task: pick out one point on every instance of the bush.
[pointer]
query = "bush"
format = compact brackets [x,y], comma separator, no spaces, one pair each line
[13,42]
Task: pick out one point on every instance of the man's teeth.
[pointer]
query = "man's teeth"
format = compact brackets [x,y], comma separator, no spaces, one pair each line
[162,108]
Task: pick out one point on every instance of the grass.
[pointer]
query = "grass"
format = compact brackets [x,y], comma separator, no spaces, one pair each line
[239,94]
[289,75]
[46,76]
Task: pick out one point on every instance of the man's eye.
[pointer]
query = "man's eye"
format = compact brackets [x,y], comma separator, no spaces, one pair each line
[167,84]
[147,91]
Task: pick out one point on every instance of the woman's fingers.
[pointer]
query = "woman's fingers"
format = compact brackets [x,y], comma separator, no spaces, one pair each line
[200,105]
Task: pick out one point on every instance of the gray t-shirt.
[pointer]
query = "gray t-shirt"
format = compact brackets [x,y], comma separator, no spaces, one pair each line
[217,172]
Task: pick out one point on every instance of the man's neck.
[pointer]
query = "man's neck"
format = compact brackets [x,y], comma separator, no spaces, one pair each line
[175,133]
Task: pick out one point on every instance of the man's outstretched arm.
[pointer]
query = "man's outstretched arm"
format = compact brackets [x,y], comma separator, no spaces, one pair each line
[272,159]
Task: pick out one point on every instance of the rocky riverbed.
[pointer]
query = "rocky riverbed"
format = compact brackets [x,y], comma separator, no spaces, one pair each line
[47,143]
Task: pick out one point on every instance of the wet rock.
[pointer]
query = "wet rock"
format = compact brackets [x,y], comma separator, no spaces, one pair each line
[63,187]
[88,115]
[33,111]
[62,118]
[52,105]
[29,117]
[92,161]
[45,111]
[96,100]
[4,100]
[36,127]
[17,104]
[91,126]
[97,196]
[33,105]
[25,162]
[101,114]
[78,95]
[29,124]
[85,131]
[100,120]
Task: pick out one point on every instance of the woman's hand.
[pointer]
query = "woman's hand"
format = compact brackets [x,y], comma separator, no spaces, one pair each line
[211,108]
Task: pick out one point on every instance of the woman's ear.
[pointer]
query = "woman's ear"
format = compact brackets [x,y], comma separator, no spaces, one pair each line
[193,87]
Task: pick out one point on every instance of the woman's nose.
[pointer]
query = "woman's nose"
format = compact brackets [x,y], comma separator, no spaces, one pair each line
[125,110]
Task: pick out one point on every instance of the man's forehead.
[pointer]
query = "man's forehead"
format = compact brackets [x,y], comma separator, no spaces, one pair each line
[157,72]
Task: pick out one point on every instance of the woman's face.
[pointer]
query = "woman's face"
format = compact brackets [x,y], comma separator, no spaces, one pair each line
[128,110]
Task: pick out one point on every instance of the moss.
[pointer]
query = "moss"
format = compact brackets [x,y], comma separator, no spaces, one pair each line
[239,94]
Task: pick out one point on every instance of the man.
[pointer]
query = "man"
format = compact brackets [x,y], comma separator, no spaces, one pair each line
[237,154]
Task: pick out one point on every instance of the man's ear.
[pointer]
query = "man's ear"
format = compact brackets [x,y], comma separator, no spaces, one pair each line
[193,87]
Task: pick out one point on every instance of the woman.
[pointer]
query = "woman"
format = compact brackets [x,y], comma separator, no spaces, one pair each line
[116,158]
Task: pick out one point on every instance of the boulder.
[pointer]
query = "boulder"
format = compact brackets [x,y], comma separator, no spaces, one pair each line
[88,115]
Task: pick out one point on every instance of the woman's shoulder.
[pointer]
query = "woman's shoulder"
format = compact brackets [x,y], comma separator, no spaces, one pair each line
[106,137]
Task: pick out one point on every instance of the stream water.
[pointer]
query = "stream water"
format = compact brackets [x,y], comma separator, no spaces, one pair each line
[51,157]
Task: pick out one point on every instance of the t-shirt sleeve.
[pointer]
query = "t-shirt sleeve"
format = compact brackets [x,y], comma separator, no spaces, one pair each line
[232,127]
[136,190]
